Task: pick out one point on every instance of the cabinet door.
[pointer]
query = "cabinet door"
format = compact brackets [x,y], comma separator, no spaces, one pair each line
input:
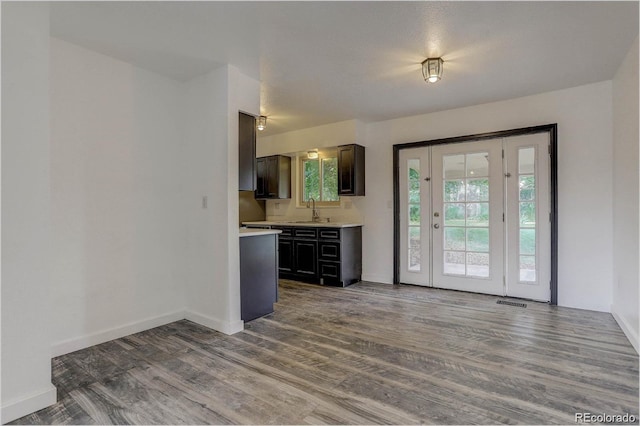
[306,256]
[272,183]
[246,152]
[261,178]
[285,255]
[351,170]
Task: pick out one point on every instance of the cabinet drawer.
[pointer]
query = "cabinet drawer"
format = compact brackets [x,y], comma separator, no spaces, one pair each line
[286,232]
[329,251]
[329,234]
[310,233]
[329,272]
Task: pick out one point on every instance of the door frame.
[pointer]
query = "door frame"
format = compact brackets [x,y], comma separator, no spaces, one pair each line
[551,129]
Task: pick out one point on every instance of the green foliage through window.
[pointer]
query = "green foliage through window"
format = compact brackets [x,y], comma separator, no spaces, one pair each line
[320,179]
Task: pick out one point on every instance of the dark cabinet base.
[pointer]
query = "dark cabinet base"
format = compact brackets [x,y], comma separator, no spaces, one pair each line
[334,258]
[258,275]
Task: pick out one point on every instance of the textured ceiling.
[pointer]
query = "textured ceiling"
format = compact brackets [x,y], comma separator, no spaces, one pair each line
[322,62]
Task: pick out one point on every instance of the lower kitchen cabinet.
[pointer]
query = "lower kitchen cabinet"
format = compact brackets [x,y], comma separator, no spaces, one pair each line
[328,256]
[340,256]
[258,275]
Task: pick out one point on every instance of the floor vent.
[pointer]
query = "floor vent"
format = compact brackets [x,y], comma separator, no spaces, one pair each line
[506,302]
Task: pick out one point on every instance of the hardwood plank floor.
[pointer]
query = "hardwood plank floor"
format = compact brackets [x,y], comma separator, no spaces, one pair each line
[366,354]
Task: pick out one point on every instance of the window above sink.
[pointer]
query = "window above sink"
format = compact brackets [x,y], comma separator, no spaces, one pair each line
[318,179]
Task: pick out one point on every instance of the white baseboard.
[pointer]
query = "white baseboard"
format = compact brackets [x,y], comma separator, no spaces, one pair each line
[226,327]
[26,405]
[626,329]
[377,278]
[75,344]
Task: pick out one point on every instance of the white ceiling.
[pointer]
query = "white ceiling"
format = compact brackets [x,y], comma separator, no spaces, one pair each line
[322,62]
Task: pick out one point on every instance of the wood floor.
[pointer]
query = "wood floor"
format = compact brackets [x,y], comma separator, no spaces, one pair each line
[366,354]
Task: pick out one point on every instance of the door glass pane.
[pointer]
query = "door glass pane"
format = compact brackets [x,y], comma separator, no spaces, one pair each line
[527,187]
[414,214]
[466,214]
[454,214]
[478,264]
[527,214]
[414,252]
[526,160]
[527,241]
[478,190]
[454,263]
[414,259]
[477,164]
[453,166]
[478,239]
[454,238]
[414,237]
[528,268]
[454,190]
[477,214]
[414,169]
[414,192]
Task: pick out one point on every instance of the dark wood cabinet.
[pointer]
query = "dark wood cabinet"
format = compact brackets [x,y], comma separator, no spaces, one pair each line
[340,256]
[328,256]
[298,253]
[258,275]
[351,170]
[306,255]
[285,249]
[246,152]
[273,177]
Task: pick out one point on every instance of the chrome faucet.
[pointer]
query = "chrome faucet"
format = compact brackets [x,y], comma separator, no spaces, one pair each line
[315,217]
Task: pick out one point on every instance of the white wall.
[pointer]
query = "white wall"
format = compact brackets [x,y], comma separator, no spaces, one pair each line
[211,104]
[625,195]
[585,226]
[26,286]
[117,205]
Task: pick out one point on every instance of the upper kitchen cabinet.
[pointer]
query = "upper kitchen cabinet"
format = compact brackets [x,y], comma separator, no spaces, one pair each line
[273,177]
[247,152]
[351,170]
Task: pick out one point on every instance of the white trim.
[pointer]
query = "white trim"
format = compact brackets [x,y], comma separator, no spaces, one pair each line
[26,405]
[75,344]
[226,327]
[626,329]
[382,279]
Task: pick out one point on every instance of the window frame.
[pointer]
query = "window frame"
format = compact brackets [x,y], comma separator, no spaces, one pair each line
[302,158]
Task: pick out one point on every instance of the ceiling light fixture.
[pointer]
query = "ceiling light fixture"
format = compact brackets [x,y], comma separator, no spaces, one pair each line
[312,155]
[262,123]
[432,69]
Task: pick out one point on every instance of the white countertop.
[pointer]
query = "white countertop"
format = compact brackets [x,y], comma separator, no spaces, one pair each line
[303,223]
[247,232]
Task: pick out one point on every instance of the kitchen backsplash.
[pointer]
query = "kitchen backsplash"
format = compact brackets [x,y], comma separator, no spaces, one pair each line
[349,211]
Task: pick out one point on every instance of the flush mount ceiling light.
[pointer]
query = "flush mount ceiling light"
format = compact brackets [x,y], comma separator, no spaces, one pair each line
[432,69]
[262,122]
[312,155]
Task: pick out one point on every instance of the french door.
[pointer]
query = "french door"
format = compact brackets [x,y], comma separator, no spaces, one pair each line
[474,216]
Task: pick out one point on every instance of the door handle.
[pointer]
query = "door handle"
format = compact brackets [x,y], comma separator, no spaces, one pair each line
[436,225]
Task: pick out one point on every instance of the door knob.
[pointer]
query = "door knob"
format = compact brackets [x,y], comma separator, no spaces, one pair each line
[436,225]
